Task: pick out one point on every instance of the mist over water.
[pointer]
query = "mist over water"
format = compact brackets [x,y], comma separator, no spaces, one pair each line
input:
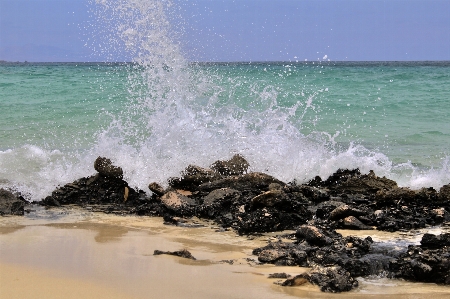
[290,120]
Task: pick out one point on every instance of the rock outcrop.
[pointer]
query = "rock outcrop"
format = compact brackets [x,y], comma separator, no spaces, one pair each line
[253,202]
[11,204]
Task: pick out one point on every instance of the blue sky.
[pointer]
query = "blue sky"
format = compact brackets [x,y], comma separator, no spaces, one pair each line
[246,30]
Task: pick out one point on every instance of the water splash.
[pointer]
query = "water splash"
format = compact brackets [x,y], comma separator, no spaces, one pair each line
[177,115]
[180,113]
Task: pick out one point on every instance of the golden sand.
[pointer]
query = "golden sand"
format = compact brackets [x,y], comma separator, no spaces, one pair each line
[79,254]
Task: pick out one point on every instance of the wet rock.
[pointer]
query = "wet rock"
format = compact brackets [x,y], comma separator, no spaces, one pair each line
[279,275]
[435,241]
[324,209]
[221,194]
[313,235]
[368,264]
[423,264]
[11,204]
[275,186]
[429,262]
[105,167]
[176,201]
[365,184]
[352,222]
[192,177]
[332,279]
[315,194]
[181,222]
[253,180]
[269,198]
[271,255]
[235,166]
[181,253]
[298,280]
[444,193]
[344,211]
[156,188]
[395,195]
[110,194]
[426,194]
[284,253]
[337,178]
[440,215]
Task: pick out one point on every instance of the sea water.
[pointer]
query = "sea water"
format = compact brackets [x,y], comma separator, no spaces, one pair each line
[160,112]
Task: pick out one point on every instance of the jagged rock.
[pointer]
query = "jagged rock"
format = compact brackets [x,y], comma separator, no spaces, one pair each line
[369,264]
[279,275]
[433,241]
[182,222]
[337,178]
[298,280]
[256,202]
[284,254]
[332,279]
[220,194]
[395,195]
[323,209]
[420,263]
[269,198]
[98,189]
[105,167]
[235,166]
[344,211]
[253,180]
[275,186]
[365,184]
[444,193]
[427,194]
[314,194]
[175,201]
[11,204]
[440,215]
[271,255]
[192,177]
[352,222]
[313,235]
[181,253]
[156,188]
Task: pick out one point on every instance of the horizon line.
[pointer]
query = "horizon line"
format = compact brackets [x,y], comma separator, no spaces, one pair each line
[231,62]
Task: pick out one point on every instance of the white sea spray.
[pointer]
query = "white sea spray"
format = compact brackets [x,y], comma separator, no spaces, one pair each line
[179,113]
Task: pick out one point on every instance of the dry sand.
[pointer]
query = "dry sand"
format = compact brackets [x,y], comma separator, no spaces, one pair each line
[79,254]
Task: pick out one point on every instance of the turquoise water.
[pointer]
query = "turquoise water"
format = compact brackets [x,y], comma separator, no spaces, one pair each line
[292,120]
[160,113]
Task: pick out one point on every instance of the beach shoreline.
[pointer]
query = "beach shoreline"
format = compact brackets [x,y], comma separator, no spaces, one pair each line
[73,251]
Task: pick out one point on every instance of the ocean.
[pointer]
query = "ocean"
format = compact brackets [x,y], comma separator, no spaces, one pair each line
[161,112]
[293,120]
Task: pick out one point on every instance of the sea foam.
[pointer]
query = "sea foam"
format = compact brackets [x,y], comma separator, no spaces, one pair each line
[176,114]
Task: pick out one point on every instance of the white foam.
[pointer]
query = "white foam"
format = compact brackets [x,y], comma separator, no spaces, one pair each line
[176,116]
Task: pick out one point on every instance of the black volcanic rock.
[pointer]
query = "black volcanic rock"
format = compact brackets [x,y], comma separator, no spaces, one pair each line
[105,167]
[11,204]
[253,203]
[180,253]
[429,262]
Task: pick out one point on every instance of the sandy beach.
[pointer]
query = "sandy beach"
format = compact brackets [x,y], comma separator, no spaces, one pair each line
[73,253]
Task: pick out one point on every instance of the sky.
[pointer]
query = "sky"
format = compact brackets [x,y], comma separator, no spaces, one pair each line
[244,30]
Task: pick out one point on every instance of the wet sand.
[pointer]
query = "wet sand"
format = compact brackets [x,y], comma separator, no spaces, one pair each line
[72,253]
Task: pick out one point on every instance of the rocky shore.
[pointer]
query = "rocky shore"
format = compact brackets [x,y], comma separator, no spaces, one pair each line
[254,203]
